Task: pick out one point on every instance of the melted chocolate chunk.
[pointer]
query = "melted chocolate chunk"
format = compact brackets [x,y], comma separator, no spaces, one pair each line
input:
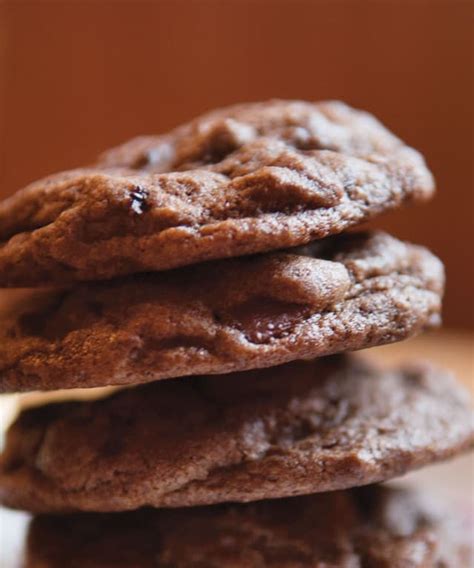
[262,319]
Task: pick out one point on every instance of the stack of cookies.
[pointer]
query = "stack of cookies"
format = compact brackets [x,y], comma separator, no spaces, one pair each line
[218,257]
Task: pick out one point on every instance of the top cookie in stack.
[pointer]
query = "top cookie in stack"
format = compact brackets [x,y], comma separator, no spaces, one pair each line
[247,179]
[125,240]
[242,180]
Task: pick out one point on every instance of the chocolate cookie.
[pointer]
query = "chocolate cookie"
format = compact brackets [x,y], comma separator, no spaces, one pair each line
[351,292]
[373,527]
[241,180]
[302,428]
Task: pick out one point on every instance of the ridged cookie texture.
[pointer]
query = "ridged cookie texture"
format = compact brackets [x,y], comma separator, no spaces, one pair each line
[303,428]
[373,526]
[343,293]
[241,180]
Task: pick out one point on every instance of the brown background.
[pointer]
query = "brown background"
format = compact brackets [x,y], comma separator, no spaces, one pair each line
[78,76]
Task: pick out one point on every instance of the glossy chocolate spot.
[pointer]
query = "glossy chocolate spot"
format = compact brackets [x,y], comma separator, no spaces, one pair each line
[262,319]
[138,202]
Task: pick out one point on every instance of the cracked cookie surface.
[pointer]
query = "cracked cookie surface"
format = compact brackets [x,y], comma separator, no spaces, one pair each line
[241,180]
[342,293]
[306,427]
[372,526]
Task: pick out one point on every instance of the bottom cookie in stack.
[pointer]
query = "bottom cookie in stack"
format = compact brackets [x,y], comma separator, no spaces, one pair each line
[298,429]
[372,526]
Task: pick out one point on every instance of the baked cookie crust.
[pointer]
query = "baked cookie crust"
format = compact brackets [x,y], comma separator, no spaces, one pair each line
[343,293]
[371,526]
[241,180]
[303,428]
